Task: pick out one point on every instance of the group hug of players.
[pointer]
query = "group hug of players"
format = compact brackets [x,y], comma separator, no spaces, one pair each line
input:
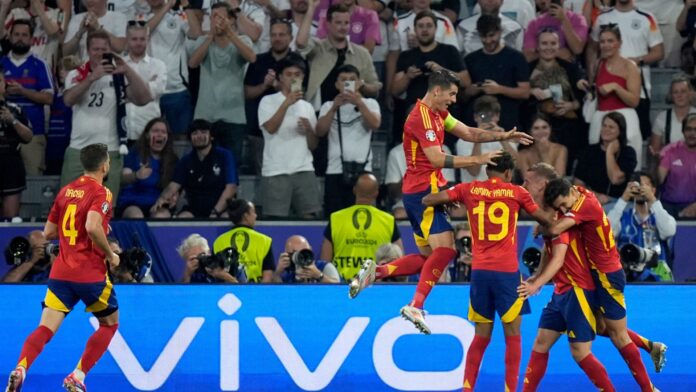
[580,254]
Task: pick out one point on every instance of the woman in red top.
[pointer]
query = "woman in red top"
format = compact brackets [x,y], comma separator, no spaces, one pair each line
[617,84]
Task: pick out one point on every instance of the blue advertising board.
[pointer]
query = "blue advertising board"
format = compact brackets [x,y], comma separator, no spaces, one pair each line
[310,338]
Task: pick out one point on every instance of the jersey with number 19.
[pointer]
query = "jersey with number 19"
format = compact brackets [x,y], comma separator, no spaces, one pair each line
[79,259]
[492,208]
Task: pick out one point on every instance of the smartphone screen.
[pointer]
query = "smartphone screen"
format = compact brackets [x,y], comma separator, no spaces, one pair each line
[349,85]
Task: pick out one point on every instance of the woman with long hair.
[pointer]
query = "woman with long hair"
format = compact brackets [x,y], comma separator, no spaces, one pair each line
[554,93]
[617,84]
[606,166]
[147,169]
[543,149]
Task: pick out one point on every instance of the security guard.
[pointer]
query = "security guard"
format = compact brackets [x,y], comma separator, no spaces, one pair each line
[254,248]
[354,233]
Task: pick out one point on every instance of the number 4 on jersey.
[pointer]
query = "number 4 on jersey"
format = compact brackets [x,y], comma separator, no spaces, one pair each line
[69,223]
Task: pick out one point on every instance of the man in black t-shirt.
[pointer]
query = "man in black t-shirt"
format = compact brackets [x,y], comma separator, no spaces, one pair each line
[415,65]
[499,71]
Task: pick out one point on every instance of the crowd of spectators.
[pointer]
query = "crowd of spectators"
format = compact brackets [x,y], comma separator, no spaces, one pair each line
[296,91]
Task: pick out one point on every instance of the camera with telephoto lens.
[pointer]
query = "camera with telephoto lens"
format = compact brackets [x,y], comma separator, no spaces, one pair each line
[463,245]
[531,258]
[636,259]
[137,262]
[227,260]
[19,250]
[302,258]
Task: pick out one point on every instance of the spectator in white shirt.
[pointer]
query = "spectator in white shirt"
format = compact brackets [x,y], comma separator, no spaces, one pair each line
[348,120]
[97,17]
[288,182]
[151,70]
[89,91]
[169,29]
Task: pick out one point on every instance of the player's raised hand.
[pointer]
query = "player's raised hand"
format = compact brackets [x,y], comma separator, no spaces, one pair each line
[487,158]
[520,137]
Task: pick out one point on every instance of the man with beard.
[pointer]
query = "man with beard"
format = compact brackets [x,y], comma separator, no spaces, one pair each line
[208,174]
[260,80]
[29,85]
[151,70]
[90,92]
[497,70]
[415,65]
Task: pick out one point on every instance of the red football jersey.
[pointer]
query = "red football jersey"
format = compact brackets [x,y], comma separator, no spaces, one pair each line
[492,208]
[596,231]
[575,271]
[423,128]
[79,260]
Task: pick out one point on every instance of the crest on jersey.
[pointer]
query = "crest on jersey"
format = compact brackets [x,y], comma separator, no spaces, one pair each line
[430,135]
[105,207]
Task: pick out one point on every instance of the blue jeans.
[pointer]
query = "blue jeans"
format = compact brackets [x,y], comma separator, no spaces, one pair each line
[178,110]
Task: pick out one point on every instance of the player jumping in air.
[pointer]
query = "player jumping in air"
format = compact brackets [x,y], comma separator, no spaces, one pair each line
[492,207]
[572,305]
[424,133]
[79,218]
[581,208]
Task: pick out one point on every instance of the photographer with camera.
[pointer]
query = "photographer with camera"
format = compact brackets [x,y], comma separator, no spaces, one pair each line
[643,230]
[298,264]
[135,266]
[461,271]
[203,267]
[32,257]
[254,249]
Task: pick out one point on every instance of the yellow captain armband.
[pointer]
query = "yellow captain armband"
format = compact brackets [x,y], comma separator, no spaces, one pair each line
[450,122]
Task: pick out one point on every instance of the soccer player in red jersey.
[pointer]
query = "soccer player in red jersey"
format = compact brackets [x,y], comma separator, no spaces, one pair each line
[581,208]
[424,133]
[492,207]
[79,218]
[572,305]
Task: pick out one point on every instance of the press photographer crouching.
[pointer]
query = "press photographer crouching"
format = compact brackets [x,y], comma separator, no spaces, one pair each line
[643,231]
[299,265]
[31,256]
[461,270]
[204,267]
[135,266]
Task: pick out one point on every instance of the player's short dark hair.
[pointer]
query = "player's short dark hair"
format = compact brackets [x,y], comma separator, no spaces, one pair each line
[487,24]
[487,103]
[93,156]
[442,78]
[348,68]
[425,14]
[502,163]
[291,60]
[544,170]
[336,9]
[23,22]
[97,34]
[236,209]
[555,189]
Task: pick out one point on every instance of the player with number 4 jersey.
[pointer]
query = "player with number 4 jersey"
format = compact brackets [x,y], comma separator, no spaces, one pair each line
[79,219]
[492,207]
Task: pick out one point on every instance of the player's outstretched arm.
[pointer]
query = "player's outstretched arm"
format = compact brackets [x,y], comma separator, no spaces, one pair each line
[435,199]
[547,271]
[543,217]
[478,135]
[441,160]
[559,227]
